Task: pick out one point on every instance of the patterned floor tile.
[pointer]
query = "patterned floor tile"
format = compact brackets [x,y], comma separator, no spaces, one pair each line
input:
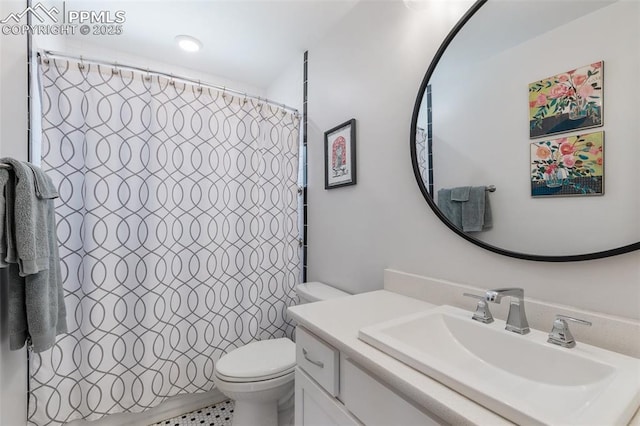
[220,414]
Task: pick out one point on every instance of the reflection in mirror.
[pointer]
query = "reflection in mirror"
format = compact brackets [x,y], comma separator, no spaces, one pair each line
[473,124]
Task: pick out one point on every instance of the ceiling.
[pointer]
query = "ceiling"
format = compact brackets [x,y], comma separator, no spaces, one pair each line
[250,41]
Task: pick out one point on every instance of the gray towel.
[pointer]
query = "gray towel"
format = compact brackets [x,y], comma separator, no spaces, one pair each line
[10,252]
[488,216]
[473,210]
[44,187]
[36,313]
[44,298]
[466,207]
[451,209]
[4,178]
[29,231]
[16,309]
[461,193]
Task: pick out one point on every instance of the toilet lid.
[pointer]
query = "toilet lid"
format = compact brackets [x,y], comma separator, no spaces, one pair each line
[261,360]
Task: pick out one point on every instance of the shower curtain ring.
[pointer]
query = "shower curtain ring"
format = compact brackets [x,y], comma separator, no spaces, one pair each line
[244,101]
[224,92]
[114,71]
[199,86]
[172,82]
[148,76]
[81,64]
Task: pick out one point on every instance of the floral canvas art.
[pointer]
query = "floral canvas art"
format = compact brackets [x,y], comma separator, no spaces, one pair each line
[568,166]
[567,101]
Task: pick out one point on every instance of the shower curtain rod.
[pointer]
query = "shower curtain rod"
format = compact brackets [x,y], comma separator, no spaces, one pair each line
[49,54]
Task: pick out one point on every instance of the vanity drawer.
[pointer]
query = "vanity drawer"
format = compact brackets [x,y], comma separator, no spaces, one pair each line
[318,359]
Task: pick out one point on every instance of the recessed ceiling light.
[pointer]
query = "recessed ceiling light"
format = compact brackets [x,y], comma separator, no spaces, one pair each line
[188,43]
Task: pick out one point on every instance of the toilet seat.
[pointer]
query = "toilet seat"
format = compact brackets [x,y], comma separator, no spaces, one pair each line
[258,361]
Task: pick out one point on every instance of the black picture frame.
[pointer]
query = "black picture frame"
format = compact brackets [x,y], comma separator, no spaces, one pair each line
[340,155]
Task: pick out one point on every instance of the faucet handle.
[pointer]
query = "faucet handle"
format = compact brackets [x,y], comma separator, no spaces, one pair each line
[482,313]
[560,333]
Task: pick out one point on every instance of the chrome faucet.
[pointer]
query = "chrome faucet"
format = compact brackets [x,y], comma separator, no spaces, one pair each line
[560,333]
[516,319]
[482,314]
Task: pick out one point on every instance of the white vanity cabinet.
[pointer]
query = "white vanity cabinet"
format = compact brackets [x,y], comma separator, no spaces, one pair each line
[332,390]
[317,383]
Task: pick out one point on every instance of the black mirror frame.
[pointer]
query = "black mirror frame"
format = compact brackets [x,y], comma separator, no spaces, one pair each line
[416,171]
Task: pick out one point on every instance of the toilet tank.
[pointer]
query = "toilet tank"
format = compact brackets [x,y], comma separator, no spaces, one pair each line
[316,291]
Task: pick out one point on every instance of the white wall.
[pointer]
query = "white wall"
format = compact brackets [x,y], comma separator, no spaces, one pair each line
[287,88]
[370,69]
[13,143]
[493,145]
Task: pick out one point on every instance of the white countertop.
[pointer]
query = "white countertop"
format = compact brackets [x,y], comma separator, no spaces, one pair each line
[337,321]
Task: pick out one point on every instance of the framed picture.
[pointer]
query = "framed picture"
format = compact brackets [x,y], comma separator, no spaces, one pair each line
[340,155]
[573,165]
[566,102]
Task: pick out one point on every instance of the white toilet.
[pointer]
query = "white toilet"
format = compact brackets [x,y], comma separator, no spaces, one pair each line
[259,376]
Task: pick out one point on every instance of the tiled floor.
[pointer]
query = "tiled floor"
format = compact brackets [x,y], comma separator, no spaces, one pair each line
[219,414]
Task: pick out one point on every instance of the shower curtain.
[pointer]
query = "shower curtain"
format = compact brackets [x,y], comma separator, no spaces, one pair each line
[178,232]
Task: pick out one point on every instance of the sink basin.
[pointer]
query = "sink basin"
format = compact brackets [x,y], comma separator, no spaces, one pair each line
[521,377]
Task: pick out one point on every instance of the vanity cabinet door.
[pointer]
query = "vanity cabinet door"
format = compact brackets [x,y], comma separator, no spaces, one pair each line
[314,407]
[378,405]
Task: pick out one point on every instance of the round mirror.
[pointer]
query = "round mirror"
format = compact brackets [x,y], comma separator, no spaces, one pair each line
[508,133]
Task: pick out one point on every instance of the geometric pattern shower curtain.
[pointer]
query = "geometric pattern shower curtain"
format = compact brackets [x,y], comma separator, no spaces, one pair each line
[422,155]
[178,233]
